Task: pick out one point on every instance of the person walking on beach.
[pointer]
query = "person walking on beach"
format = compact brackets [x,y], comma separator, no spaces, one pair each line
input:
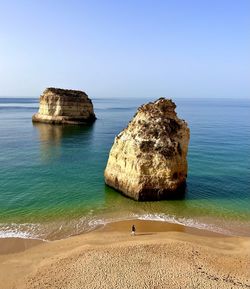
[133,230]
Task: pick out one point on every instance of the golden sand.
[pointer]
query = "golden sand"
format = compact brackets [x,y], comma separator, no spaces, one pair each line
[160,255]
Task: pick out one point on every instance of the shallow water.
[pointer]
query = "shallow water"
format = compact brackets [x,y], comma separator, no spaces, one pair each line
[51,177]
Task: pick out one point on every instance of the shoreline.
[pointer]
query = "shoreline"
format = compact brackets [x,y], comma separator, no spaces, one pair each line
[65,227]
[10,245]
[116,259]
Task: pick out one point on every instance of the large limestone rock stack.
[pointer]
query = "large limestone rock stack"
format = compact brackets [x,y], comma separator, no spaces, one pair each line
[64,106]
[148,158]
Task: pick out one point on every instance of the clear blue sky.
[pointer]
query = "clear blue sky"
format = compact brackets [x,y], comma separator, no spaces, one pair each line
[129,48]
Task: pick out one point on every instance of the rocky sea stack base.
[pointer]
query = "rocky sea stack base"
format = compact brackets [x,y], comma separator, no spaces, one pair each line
[148,158]
[64,106]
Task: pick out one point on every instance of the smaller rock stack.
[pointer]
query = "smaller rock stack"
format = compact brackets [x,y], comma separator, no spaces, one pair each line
[64,106]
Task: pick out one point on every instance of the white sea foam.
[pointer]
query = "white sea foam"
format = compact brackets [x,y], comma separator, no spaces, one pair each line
[96,223]
[23,231]
[15,234]
[188,222]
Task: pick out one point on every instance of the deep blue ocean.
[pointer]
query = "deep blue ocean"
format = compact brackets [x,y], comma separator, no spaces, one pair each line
[51,177]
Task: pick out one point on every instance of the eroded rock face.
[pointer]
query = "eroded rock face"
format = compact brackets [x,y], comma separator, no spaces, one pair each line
[64,106]
[148,158]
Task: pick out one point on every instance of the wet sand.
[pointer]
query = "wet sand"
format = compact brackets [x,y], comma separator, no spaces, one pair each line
[161,255]
[15,245]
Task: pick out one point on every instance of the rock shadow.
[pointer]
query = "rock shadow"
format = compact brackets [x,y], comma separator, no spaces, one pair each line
[151,195]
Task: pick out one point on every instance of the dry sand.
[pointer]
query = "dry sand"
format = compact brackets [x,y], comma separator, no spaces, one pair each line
[159,256]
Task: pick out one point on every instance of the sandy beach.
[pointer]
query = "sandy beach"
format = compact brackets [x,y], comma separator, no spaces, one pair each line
[161,255]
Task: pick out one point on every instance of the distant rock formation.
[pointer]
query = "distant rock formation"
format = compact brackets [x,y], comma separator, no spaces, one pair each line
[64,106]
[148,158]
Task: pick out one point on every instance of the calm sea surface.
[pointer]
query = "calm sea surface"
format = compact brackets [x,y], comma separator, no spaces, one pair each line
[51,177]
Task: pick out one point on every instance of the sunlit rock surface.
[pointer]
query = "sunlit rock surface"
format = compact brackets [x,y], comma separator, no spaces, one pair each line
[148,158]
[64,106]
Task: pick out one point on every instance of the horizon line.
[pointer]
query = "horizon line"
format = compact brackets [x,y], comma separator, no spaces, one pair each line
[139,97]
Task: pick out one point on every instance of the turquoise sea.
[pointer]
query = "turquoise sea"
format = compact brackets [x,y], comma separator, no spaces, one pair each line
[51,177]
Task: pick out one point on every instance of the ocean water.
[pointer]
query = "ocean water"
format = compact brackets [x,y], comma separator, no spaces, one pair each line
[51,177]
